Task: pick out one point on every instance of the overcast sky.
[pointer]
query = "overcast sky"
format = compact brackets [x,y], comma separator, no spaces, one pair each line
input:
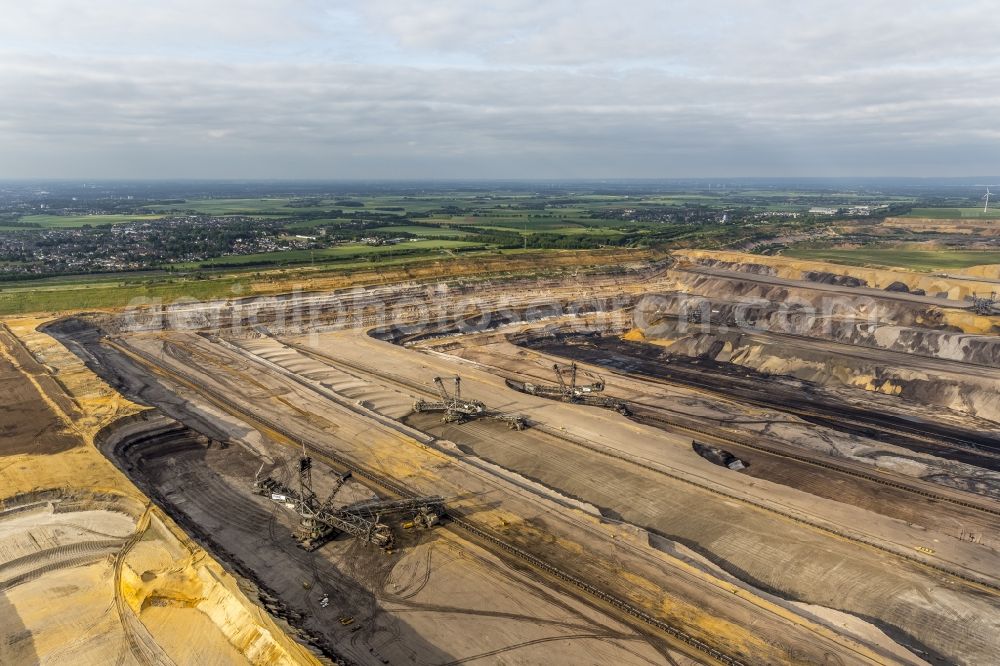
[498,88]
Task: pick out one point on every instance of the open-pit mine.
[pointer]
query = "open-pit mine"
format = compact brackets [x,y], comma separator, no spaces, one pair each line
[713,458]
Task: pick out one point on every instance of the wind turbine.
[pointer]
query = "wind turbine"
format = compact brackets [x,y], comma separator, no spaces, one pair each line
[986,197]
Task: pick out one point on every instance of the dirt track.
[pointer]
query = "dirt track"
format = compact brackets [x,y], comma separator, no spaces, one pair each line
[793,558]
[397,601]
[823,408]
[282,398]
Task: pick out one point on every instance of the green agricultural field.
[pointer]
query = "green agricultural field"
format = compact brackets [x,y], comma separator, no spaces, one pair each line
[532,225]
[482,220]
[414,204]
[916,260]
[341,252]
[232,206]
[955,213]
[113,294]
[608,223]
[76,221]
[673,199]
[310,224]
[418,230]
[83,292]
[562,228]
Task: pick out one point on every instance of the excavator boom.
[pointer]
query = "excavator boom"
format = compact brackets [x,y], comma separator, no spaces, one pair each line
[337,485]
[442,391]
[559,376]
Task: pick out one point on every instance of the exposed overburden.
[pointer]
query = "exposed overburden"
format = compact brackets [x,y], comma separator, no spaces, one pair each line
[84,547]
[862,416]
[763,313]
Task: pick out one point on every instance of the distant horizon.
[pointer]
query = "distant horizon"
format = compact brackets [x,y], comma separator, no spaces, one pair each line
[708,180]
[501,89]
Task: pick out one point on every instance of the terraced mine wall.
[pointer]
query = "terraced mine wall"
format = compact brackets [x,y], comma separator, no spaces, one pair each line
[142,445]
[90,571]
[975,396]
[806,566]
[148,448]
[965,227]
[430,304]
[604,315]
[955,287]
[918,350]
[767,348]
[855,320]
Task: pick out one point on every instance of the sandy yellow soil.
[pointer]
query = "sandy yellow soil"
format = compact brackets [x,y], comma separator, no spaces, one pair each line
[987,271]
[954,288]
[90,571]
[954,226]
[283,281]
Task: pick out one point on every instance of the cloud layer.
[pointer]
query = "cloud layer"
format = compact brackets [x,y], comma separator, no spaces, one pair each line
[514,88]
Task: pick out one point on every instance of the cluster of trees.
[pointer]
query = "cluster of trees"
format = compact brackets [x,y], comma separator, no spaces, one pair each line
[893,210]
[14,220]
[150,243]
[688,214]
